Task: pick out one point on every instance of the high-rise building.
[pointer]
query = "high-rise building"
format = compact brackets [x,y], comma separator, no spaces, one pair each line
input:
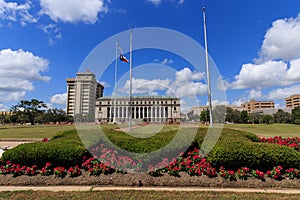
[82,93]
[293,101]
[254,106]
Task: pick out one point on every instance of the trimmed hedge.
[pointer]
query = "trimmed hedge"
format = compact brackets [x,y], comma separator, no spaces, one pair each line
[234,151]
[65,150]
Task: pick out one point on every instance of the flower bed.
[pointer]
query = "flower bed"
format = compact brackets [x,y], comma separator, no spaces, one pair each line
[193,164]
[290,142]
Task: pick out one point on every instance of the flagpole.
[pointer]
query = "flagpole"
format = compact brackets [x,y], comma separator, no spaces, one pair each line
[115,89]
[130,82]
[207,71]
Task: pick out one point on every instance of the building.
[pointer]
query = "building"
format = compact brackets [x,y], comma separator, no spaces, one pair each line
[271,111]
[255,106]
[5,112]
[196,110]
[82,93]
[161,109]
[293,101]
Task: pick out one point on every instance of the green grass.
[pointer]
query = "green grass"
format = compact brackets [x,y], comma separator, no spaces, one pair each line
[265,130]
[132,194]
[32,132]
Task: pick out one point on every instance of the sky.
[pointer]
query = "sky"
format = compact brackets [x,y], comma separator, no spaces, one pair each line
[254,49]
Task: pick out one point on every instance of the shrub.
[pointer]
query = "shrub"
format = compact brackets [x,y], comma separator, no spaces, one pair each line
[66,150]
[233,151]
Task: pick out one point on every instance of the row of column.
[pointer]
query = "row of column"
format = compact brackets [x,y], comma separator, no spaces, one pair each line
[138,112]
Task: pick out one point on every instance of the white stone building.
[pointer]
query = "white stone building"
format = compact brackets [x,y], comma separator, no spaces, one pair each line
[160,109]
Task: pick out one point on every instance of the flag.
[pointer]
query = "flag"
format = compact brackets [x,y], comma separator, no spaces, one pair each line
[123,58]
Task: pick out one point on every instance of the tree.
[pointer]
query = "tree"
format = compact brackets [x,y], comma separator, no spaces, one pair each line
[219,113]
[244,116]
[296,115]
[204,116]
[282,117]
[267,119]
[28,110]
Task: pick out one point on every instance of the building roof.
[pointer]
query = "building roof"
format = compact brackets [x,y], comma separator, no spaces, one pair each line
[141,97]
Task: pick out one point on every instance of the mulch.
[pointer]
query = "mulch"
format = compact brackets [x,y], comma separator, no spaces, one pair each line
[144,179]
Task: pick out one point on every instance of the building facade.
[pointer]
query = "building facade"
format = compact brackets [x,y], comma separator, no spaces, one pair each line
[2,112]
[293,101]
[82,93]
[161,109]
[255,106]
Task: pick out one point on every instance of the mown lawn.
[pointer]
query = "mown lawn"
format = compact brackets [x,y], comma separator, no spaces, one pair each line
[131,194]
[32,132]
[268,130]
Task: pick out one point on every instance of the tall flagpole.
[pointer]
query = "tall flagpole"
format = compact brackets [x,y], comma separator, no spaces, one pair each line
[130,80]
[115,89]
[207,71]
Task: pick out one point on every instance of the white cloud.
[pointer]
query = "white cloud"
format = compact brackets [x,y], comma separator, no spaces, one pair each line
[18,70]
[190,89]
[3,107]
[167,61]
[164,61]
[238,102]
[105,84]
[158,2]
[186,75]
[217,102]
[255,94]
[293,73]
[73,10]
[260,75]
[52,31]
[155,2]
[59,99]
[282,40]
[144,86]
[281,93]
[13,11]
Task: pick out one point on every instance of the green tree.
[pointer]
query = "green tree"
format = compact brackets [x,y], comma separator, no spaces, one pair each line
[244,117]
[296,114]
[28,110]
[267,119]
[204,116]
[282,117]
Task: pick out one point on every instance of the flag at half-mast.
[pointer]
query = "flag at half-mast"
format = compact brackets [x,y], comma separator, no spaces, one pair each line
[122,57]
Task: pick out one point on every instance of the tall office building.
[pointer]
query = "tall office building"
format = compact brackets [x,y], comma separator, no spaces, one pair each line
[293,101]
[82,93]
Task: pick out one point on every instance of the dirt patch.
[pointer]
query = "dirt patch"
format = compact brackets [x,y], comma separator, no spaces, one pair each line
[144,179]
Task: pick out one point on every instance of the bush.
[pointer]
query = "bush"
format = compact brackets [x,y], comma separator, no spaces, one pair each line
[65,150]
[233,152]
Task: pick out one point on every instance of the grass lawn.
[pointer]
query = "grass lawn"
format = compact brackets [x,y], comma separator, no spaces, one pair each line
[141,195]
[48,131]
[269,130]
[32,132]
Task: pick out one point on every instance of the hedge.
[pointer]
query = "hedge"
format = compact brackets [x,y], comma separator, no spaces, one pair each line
[64,150]
[233,150]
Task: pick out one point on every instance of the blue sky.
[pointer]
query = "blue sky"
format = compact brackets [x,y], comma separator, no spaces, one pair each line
[254,44]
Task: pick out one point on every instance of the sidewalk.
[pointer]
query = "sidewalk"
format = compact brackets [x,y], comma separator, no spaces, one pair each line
[179,189]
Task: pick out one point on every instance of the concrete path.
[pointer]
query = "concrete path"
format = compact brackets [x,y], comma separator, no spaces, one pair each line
[181,189]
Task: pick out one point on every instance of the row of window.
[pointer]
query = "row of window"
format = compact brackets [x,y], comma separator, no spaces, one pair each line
[133,103]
